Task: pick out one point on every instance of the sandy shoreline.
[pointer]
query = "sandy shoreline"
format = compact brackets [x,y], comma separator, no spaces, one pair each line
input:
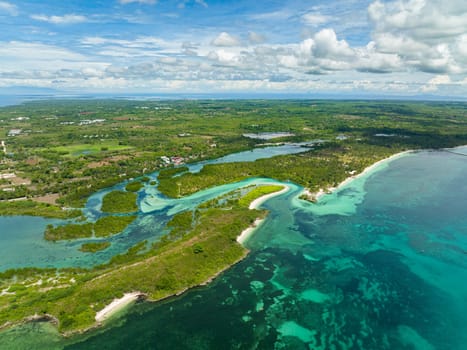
[245,234]
[116,305]
[315,196]
[258,201]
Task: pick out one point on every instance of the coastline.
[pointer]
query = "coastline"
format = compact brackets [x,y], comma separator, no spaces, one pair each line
[130,297]
[316,196]
[260,200]
[245,234]
[117,305]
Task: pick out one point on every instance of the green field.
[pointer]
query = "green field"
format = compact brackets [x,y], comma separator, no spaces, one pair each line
[85,149]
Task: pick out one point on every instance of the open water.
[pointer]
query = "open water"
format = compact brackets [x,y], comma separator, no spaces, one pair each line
[379,264]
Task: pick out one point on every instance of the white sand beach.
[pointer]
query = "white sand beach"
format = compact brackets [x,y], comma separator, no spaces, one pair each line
[258,201]
[254,205]
[249,231]
[116,305]
[317,195]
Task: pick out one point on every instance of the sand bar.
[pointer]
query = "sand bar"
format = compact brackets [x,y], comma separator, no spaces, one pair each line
[116,305]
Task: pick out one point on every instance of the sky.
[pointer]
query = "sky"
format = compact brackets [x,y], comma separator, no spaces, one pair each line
[393,47]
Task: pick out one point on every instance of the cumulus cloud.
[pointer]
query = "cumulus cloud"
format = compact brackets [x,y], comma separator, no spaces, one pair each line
[410,39]
[8,8]
[225,39]
[425,34]
[327,45]
[66,19]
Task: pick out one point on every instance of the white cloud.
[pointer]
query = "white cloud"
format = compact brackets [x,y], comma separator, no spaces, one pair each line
[34,57]
[275,15]
[255,38]
[315,19]
[225,39]
[133,50]
[326,45]
[370,60]
[10,9]
[435,82]
[147,2]
[427,35]
[66,19]
[420,53]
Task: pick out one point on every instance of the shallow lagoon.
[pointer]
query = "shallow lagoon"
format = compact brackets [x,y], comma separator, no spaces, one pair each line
[384,269]
[22,236]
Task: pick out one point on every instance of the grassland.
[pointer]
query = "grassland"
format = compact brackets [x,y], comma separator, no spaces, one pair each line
[86,149]
[256,193]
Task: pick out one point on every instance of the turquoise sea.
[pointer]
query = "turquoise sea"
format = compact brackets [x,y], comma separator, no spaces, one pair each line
[379,264]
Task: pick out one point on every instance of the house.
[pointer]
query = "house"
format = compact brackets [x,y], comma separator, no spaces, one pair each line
[14,132]
[177,160]
[7,176]
[165,159]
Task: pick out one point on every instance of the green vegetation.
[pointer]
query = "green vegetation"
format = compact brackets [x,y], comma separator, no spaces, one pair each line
[111,225]
[134,186]
[258,192]
[66,232]
[325,167]
[103,227]
[84,149]
[29,207]
[201,251]
[119,202]
[94,247]
[58,154]
[171,172]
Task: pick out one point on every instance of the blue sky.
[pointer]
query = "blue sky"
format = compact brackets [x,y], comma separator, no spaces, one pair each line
[396,47]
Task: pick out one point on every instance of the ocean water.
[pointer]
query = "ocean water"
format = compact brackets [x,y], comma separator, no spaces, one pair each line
[380,264]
